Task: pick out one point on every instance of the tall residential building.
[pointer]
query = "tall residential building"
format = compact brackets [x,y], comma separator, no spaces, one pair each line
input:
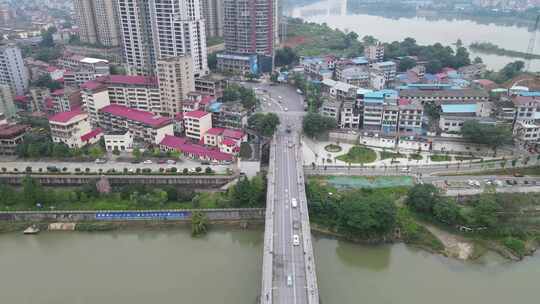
[12,70]
[155,29]
[374,52]
[7,106]
[249,26]
[178,29]
[97,21]
[136,30]
[213,15]
[175,80]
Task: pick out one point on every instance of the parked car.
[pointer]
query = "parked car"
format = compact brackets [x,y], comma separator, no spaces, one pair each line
[171,162]
[296,240]
[135,161]
[289,280]
[52,169]
[296,225]
[147,162]
[100,161]
[205,162]
[294,203]
[518,174]
[161,161]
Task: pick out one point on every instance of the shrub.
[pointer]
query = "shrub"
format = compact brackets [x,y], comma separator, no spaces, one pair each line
[198,169]
[64,169]
[77,169]
[28,169]
[208,170]
[40,170]
[15,170]
[185,171]
[174,170]
[516,245]
[4,169]
[87,170]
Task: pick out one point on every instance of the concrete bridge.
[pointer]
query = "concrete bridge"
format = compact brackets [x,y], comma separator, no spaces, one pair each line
[288,274]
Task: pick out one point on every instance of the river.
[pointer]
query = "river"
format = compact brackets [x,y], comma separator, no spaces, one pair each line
[132,267]
[337,14]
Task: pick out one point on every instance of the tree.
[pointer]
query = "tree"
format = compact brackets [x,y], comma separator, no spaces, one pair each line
[485,211]
[315,124]
[245,150]
[47,37]
[47,82]
[369,40]
[32,192]
[493,136]
[366,216]
[264,124]
[406,64]
[208,170]
[137,153]
[461,58]
[95,152]
[212,61]
[423,197]
[199,223]
[446,212]
[477,60]
[246,96]
[285,56]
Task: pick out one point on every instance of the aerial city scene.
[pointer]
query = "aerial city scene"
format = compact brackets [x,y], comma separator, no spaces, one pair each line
[269,151]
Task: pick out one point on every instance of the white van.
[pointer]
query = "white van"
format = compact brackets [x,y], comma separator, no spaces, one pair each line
[294,203]
[289,280]
[296,240]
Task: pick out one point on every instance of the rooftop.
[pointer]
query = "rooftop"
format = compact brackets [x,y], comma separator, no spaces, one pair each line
[183,145]
[445,93]
[91,134]
[236,134]
[92,85]
[11,130]
[127,79]
[459,108]
[196,114]
[215,131]
[144,117]
[64,117]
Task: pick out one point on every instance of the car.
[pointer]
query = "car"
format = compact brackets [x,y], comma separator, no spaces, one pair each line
[147,162]
[514,182]
[289,280]
[405,170]
[509,182]
[171,162]
[205,163]
[135,161]
[280,97]
[161,161]
[296,225]
[291,145]
[285,109]
[288,129]
[294,203]
[526,182]
[296,240]
[52,169]
[518,174]
[100,161]
[299,91]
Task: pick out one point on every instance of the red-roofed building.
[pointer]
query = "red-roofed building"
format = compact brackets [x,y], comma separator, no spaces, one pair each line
[137,92]
[172,143]
[145,126]
[70,127]
[227,140]
[92,137]
[197,123]
[11,135]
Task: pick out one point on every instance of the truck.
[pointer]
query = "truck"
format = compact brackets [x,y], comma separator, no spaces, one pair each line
[288,129]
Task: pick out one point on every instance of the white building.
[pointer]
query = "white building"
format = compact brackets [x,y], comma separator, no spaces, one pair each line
[94,97]
[374,52]
[176,80]
[388,68]
[196,124]
[12,69]
[72,129]
[137,92]
[178,29]
[119,141]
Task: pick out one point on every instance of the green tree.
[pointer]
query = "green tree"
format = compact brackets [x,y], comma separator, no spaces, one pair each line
[423,197]
[485,211]
[199,223]
[366,216]
[245,150]
[264,124]
[137,153]
[285,56]
[315,124]
[446,212]
[477,60]
[493,136]
[32,191]
[96,152]
[406,64]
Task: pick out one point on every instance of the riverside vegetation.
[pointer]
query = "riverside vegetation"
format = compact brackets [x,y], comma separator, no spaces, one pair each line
[491,221]
[247,193]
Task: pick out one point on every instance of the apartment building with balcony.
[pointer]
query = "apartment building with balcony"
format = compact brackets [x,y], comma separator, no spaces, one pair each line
[94,97]
[70,128]
[411,116]
[11,135]
[145,126]
[196,124]
[137,92]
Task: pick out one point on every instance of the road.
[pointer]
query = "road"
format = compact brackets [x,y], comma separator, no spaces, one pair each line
[109,165]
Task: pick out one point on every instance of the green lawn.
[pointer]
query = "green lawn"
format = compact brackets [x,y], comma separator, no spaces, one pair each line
[387,155]
[415,157]
[440,158]
[358,155]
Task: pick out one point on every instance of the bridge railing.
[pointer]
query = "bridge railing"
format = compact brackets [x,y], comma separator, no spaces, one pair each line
[268,255]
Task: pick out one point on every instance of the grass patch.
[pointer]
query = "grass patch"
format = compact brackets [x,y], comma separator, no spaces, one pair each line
[358,155]
[416,157]
[387,155]
[333,148]
[515,245]
[440,158]
[415,234]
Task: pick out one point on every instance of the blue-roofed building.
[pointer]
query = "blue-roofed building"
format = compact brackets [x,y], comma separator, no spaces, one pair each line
[459,109]
[529,94]
[360,60]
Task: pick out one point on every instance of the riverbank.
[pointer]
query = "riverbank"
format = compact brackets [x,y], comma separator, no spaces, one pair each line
[490,48]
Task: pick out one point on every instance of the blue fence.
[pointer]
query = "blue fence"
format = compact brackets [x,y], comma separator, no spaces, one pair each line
[142,215]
